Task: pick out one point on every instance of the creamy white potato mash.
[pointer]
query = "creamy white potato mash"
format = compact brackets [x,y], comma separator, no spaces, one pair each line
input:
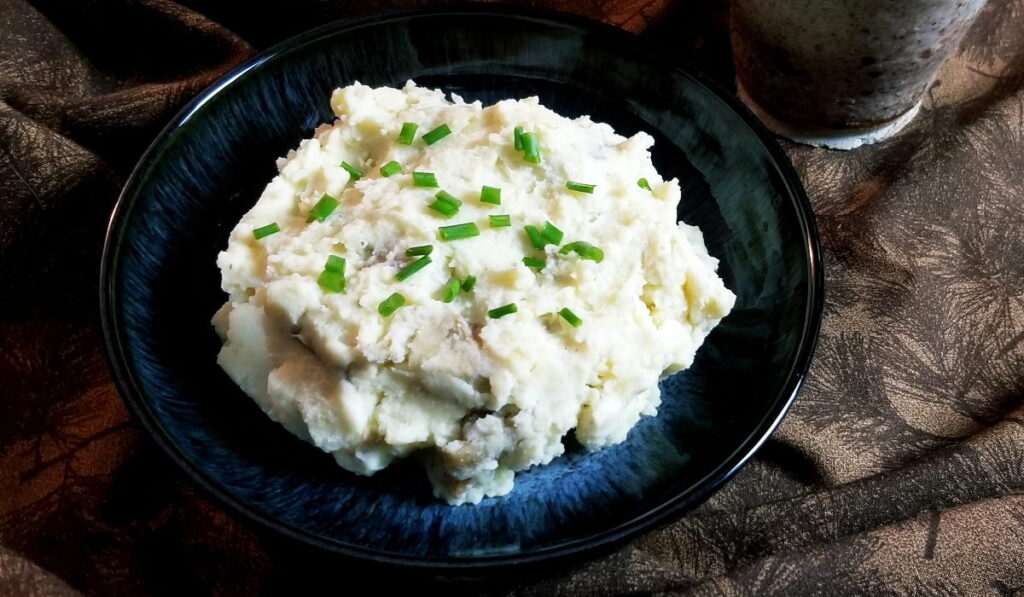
[371,367]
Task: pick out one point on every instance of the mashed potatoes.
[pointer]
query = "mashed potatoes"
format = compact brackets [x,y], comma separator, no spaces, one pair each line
[479,379]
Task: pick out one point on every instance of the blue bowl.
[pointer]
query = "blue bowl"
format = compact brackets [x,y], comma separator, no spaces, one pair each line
[160,286]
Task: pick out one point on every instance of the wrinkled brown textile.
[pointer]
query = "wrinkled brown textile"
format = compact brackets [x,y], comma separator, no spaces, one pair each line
[899,471]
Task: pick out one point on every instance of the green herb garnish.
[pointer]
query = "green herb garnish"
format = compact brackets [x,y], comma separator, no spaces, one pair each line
[451,290]
[335,264]
[420,250]
[390,304]
[502,311]
[517,137]
[579,187]
[531,148]
[354,172]
[445,209]
[490,195]
[331,281]
[323,208]
[426,180]
[332,278]
[408,133]
[437,134]
[643,184]
[534,263]
[445,204]
[390,168]
[459,231]
[535,238]
[551,234]
[502,221]
[571,317]
[585,250]
[468,284]
[412,268]
[265,231]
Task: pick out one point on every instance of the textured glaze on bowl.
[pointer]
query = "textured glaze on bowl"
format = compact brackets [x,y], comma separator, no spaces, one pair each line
[160,284]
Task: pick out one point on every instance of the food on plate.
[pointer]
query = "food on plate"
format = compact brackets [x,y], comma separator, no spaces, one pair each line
[462,283]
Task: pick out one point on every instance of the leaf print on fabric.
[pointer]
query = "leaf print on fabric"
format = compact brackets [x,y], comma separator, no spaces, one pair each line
[869,430]
[990,38]
[934,374]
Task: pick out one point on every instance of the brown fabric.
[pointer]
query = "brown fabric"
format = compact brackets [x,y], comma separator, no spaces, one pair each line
[899,471]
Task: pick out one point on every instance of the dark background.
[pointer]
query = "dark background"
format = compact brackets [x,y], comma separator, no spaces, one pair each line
[899,470]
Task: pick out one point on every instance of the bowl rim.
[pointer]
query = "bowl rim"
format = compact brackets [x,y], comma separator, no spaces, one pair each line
[590,545]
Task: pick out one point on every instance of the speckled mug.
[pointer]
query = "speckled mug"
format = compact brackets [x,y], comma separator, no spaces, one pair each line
[842,73]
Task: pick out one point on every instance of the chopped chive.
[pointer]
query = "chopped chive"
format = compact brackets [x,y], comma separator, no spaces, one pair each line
[408,133]
[335,264]
[517,136]
[390,168]
[643,184]
[390,304]
[551,234]
[331,281]
[426,180]
[437,134]
[265,231]
[420,250]
[451,290]
[445,209]
[531,148]
[323,208]
[333,277]
[535,238]
[447,198]
[412,268]
[446,204]
[468,284]
[585,250]
[502,311]
[502,221]
[354,172]
[490,195]
[580,187]
[534,263]
[459,231]
[571,317]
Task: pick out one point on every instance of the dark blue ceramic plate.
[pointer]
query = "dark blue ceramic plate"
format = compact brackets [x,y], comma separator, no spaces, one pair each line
[160,287]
